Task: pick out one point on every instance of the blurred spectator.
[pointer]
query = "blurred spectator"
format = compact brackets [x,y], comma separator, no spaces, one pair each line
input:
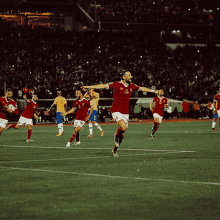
[197,111]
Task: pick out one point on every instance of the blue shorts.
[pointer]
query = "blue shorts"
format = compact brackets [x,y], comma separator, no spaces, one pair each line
[59,118]
[215,116]
[93,117]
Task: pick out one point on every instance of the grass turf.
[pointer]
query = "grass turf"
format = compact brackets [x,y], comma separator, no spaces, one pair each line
[173,176]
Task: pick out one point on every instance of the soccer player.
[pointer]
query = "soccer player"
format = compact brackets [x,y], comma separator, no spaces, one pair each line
[213,107]
[217,101]
[94,96]
[160,103]
[27,115]
[120,107]
[81,106]
[61,103]
[7,104]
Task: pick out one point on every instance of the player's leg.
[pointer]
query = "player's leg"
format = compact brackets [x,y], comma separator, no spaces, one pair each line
[29,133]
[78,125]
[94,121]
[60,124]
[1,130]
[215,117]
[157,121]
[90,125]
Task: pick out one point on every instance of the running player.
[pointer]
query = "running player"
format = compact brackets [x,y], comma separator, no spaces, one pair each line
[94,96]
[61,103]
[81,106]
[160,103]
[27,115]
[217,101]
[213,107]
[7,104]
[120,107]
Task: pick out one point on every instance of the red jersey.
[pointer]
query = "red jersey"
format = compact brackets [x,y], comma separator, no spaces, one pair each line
[82,107]
[159,105]
[30,109]
[121,96]
[217,98]
[4,103]
[185,106]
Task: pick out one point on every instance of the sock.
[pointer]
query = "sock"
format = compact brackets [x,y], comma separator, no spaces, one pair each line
[213,124]
[12,126]
[59,128]
[117,133]
[120,135]
[29,134]
[72,137]
[115,148]
[155,127]
[77,137]
[90,129]
[98,126]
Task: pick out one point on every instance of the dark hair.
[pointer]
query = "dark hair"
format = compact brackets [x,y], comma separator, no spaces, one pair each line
[122,73]
[80,89]
[9,89]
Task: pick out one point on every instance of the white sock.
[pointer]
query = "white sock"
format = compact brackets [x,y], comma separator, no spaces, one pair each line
[59,128]
[90,129]
[98,126]
[62,127]
[213,124]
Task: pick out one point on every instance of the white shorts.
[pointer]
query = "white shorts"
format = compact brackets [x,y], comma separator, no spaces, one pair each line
[117,116]
[3,122]
[155,115]
[79,123]
[218,111]
[25,121]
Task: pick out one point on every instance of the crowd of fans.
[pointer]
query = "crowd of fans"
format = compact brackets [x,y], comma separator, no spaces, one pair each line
[155,11]
[44,59]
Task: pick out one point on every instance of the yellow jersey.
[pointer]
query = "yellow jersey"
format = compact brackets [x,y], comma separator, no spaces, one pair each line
[60,101]
[95,101]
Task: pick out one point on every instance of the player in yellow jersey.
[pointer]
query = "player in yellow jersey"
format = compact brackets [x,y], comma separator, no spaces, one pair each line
[94,101]
[61,104]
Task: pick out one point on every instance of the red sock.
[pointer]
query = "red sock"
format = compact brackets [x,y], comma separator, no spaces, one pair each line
[117,133]
[72,138]
[115,148]
[157,127]
[12,126]
[29,134]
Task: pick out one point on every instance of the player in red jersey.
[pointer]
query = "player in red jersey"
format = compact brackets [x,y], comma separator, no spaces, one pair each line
[7,104]
[27,115]
[120,107]
[160,103]
[81,106]
[217,100]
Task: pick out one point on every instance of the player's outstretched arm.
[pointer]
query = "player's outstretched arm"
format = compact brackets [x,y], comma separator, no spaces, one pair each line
[145,89]
[69,112]
[99,86]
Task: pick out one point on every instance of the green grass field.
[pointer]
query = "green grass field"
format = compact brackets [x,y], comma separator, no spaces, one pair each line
[173,176]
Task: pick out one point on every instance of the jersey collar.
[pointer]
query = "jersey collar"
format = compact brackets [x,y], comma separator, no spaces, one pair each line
[124,84]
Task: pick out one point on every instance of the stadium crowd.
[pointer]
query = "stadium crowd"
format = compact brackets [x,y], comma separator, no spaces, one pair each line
[43,59]
[155,11]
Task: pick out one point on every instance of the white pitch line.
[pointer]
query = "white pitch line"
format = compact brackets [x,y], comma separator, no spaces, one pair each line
[82,148]
[109,176]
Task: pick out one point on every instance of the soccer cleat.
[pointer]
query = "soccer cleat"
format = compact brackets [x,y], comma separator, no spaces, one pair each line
[114,153]
[29,140]
[152,135]
[76,143]
[7,128]
[214,129]
[68,144]
[116,140]
[102,133]
[58,135]
[90,136]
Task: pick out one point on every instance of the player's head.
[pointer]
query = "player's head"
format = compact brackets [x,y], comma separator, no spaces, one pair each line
[34,97]
[126,75]
[161,92]
[59,93]
[80,93]
[9,94]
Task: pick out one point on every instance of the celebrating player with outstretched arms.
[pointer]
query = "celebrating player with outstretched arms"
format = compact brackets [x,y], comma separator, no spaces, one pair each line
[9,105]
[160,103]
[81,106]
[120,107]
[27,115]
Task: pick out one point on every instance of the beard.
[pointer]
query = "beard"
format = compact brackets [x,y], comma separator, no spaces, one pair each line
[128,82]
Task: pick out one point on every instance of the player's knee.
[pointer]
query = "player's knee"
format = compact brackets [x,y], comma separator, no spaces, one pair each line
[17,126]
